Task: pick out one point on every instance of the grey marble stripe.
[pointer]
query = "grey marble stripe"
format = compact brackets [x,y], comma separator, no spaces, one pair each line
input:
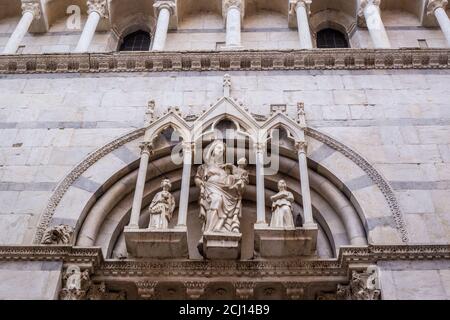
[421,185]
[31,186]
[86,184]
[124,154]
[321,153]
[359,183]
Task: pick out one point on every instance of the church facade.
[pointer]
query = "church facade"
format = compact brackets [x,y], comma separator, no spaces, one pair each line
[225,149]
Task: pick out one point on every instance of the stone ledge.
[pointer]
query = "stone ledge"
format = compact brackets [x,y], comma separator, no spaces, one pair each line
[248,60]
[170,243]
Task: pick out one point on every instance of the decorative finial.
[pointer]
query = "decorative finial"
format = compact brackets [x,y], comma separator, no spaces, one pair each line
[301,115]
[226,85]
[175,110]
[150,113]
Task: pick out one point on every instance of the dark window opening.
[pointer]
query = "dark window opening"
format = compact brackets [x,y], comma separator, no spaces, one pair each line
[330,38]
[136,41]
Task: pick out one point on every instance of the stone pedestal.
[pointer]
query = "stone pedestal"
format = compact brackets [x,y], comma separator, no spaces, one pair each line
[146,243]
[221,246]
[281,243]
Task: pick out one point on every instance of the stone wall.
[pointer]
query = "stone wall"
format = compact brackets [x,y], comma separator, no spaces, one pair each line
[398,120]
[415,280]
[30,280]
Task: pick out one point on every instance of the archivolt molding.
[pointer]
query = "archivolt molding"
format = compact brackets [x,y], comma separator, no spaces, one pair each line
[382,184]
[74,174]
[318,59]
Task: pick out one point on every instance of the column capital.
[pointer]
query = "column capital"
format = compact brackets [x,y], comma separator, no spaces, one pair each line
[187,146]
[227,4]
[99,6]
[169,5]
[32,6]
[436,4]
[301,146]
[364,3]
[294,4]
[146,147]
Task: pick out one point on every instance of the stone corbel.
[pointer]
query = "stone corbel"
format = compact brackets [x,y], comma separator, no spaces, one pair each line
[292,13]
[76,283]
[57,235]
[171,5]
[146,289]
[361,19]
[195,289]
[40,21]
[244,289]
[227,4]
[364,285]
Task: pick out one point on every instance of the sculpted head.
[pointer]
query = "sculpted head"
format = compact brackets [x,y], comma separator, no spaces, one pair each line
[215,152]
[282,186]
[166,185]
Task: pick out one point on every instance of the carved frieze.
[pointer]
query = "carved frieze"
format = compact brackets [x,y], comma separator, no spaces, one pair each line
[76,283]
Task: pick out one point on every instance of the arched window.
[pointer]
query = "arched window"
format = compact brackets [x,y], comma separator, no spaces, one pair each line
[330,38]
[136,41]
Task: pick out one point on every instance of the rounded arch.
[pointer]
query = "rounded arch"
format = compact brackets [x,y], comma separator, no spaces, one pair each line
[346,189]
[333,19]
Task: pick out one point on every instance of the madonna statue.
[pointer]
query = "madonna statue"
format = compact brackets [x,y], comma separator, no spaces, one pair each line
[221,188]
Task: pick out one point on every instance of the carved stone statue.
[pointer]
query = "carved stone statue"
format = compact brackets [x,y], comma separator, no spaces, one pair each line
[282,208]
[162,207]
[221,188]
[76,283]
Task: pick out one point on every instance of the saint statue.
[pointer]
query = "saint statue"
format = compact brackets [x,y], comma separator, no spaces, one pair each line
[221,188]
[162,207]
[282,208]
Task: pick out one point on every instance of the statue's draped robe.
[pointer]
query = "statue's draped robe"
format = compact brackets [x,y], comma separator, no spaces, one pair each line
[161,210]
[282,211]
[220,206]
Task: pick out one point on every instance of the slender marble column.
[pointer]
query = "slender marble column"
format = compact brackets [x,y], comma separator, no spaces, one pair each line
[370,9]
[30,11]
[97,9]
[185,184]
[437,7]
[164,9]
[140,184]
[301,8]
[304,179]
[232,8]
[260,190]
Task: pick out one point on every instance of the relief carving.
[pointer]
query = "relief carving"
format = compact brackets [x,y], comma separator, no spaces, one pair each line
[61,234]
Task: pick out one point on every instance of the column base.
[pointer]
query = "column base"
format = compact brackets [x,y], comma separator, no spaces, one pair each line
[279,243]
[220,246]
[164,243]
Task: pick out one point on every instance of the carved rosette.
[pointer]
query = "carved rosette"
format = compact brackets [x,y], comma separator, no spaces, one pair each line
[435,4]
[195,289]
[244,289]
[169,5]
[57,235]
[99,6]
[32,6]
